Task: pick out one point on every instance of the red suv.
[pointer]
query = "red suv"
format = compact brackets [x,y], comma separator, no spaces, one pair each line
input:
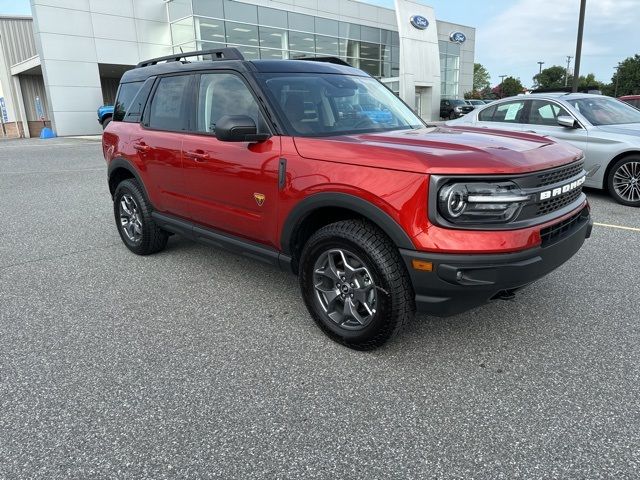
[317,168]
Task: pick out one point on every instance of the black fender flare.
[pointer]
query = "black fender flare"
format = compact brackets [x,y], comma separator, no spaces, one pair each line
[349,202]
[120,162]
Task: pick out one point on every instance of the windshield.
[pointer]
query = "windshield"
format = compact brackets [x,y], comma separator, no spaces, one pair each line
[457,103]
[328,104]
[605,111]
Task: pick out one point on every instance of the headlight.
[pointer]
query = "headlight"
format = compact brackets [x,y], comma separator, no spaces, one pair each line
[456,109]
[464,203]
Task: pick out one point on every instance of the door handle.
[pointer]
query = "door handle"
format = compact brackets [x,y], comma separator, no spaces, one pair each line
[141,147]
[198,155]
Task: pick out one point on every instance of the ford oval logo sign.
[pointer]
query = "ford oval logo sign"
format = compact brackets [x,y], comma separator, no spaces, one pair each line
[419,22]
[457,37]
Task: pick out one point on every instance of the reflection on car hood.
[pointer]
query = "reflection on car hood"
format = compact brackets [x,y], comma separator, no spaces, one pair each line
[623,129]
[443,150]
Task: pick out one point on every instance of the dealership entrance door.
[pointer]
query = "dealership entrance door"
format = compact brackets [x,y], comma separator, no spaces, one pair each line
[423,102]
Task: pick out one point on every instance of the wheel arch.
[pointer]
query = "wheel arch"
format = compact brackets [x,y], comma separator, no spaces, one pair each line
[612,162]
[121,169]
[321,209]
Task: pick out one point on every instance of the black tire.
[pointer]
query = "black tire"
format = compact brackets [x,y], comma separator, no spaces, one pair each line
[452,116]
[394,302]
[147,238]
[627,166]
[106,122]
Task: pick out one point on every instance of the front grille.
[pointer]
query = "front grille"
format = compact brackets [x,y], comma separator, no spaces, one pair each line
[559,174]
[564,228]
[556,203]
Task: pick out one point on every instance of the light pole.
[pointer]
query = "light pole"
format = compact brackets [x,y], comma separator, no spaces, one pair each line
[576,69]
[502,77]
[566,73]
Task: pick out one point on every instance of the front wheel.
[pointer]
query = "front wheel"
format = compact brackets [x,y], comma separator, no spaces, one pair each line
[355,284]
[624,181]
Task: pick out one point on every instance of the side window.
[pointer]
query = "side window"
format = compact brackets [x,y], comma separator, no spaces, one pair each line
[134,112]
[543,112]
[125,95]
[168,107]
[510,112]
[223,94]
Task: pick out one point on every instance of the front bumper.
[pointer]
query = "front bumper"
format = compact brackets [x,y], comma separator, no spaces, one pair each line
[461,282]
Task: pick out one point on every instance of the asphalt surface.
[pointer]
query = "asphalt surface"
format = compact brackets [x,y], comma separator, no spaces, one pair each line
[197,363]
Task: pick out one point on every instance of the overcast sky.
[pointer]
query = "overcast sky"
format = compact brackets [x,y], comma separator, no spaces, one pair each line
[513,35]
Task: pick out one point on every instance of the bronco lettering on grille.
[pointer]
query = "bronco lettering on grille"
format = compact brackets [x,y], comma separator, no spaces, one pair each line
[564,189]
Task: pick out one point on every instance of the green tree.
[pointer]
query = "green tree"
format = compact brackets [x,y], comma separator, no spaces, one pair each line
[626,80]
[589,81]
[481,77]
[510,87]
[552,77]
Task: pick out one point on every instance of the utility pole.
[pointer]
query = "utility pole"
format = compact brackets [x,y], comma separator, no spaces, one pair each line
[566,75]
[615,93]
[502,77]
[540,63]
[576,69]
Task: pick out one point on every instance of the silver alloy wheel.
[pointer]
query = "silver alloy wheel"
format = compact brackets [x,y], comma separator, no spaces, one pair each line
[626,181]
[130,218]
[345,289]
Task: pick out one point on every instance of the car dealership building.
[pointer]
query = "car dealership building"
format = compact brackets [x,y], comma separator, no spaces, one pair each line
[61,65]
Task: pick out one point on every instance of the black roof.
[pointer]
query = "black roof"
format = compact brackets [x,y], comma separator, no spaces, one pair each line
[231,59]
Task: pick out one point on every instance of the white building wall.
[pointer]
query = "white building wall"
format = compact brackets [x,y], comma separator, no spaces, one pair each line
[419,59]
[74,36]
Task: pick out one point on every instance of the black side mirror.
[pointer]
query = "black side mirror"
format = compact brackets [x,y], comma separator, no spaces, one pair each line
[239,128]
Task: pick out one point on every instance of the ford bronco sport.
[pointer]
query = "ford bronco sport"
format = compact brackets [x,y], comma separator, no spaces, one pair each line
[317,168]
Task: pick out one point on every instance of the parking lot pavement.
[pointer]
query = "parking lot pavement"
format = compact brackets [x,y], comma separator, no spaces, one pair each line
[196,363]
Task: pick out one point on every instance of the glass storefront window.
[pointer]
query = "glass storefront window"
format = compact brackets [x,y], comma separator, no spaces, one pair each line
[327,27]
[208,8]
[179,9]
[326,45]
[240,12]
[298,21]
[273,38]
[369,51]
[267,54]
[272,17]
[370,34]
[371,67]
[249,53]
[183,31]
[349,30]
[210,30]
[241,33]
[302,42]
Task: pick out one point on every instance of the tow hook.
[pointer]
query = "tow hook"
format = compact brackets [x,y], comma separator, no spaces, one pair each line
[505,295]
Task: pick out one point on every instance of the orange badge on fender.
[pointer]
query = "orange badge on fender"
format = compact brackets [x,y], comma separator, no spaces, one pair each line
[259,197]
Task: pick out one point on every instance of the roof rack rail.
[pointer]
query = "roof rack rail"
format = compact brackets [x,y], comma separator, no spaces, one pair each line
[217,54]
[335,60]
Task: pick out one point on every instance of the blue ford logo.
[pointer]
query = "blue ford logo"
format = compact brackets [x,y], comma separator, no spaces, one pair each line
[457,37]
[419,22]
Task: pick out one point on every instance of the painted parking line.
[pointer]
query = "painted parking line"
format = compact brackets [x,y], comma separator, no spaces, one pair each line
[621,227]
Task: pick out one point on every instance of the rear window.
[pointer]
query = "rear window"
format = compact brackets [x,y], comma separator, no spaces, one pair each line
[168,106]
[126,93]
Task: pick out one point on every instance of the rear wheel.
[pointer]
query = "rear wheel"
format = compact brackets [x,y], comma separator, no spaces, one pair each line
[355,284]
[136,227]
[624,181]
[106,122]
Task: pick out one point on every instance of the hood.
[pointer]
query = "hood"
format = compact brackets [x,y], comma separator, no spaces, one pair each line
[622,129]
[443,151]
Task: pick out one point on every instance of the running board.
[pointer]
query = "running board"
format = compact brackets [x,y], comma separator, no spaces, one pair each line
[233,244]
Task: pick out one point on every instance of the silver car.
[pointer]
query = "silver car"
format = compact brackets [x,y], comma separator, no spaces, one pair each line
[605,129]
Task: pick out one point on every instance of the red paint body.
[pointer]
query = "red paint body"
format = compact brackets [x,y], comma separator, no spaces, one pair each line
[210,182]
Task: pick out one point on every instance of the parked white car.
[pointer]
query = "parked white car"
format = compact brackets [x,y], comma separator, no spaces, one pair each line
[605,129]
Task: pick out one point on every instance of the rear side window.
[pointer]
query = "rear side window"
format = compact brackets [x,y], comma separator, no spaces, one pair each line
[134,111]
[509,112]
[168,105]
[126,93]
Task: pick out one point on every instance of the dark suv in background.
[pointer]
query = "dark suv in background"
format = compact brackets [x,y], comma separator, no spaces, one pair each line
[451,108]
